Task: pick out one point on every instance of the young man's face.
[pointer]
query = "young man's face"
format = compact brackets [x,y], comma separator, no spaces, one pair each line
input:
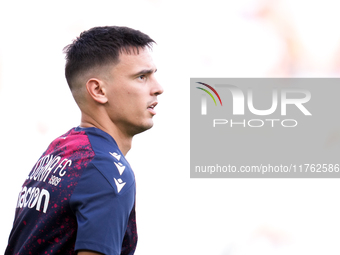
[132,92]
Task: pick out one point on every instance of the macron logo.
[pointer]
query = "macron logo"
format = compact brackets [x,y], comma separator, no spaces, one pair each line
[115,155]
[120,184]
[120,167]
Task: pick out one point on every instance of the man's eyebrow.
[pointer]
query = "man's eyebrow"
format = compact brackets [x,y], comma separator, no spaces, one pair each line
[146,71]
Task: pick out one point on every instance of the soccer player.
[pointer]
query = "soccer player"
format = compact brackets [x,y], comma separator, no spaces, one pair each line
[79,198]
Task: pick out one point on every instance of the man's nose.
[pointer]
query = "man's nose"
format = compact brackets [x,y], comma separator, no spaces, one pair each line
[157,89]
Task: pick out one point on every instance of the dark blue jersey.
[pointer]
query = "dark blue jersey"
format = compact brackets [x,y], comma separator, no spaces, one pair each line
[80,195]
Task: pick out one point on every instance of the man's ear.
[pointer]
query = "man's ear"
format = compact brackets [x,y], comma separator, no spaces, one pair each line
[96,90]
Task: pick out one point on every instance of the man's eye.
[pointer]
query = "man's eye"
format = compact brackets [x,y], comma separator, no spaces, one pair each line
[142,77]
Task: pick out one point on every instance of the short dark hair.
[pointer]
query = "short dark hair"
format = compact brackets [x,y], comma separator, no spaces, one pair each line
[100,46]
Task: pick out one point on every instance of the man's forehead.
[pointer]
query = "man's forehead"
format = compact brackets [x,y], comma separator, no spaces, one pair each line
[141,59]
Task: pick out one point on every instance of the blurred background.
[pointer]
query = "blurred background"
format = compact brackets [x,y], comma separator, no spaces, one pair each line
[176,214]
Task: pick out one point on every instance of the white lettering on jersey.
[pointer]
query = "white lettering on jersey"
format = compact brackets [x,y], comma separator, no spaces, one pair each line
[48,164]
[33,197]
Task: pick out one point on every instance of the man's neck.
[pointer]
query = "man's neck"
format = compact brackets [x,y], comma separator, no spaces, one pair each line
[123,141]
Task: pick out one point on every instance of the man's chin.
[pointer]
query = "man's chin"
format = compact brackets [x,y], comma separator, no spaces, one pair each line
[143,128]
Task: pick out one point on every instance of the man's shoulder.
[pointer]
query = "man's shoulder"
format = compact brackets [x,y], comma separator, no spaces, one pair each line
[83,139]
[111,163]
[108,159]
[72,139]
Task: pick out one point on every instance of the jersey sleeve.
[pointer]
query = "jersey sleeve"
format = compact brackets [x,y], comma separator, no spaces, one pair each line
[102,213]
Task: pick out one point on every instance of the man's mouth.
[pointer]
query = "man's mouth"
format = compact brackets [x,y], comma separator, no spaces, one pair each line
[151,108]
